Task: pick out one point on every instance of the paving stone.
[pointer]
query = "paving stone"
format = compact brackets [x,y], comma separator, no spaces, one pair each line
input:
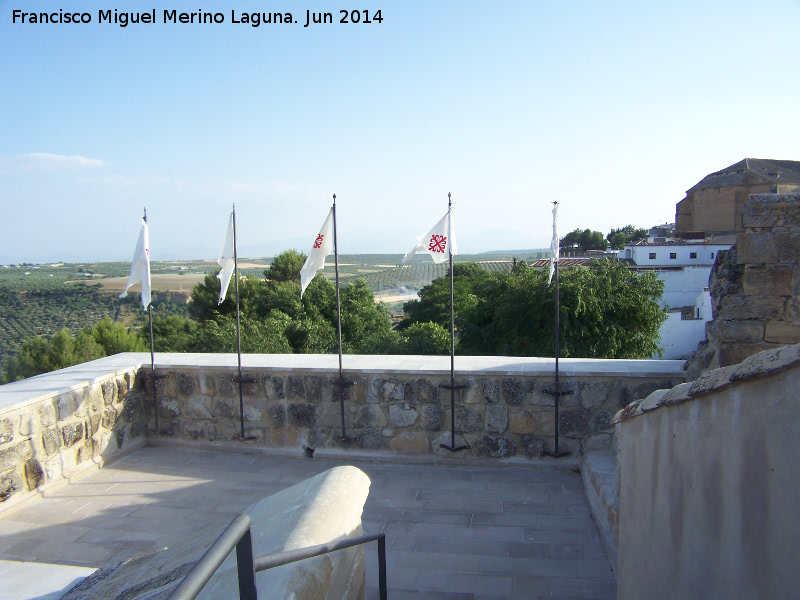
[472,583]
[456,546]
[573,587]
[442,522]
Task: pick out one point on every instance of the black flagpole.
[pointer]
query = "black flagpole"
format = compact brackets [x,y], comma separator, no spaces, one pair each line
[341,382]
[152,355]
[238,329]
[557,393]
[452,387]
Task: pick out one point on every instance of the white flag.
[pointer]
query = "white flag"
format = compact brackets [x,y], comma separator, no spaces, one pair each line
[140,266]
[226,261]
[323,246]
[439,241]
[554,243]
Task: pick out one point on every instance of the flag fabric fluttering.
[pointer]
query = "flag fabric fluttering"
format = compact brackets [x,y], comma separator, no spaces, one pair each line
[226,261]
[440,241]
[554,243]
[140,266]
[322,247]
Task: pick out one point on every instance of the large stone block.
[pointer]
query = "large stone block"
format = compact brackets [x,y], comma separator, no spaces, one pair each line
[10,483]
[313,385]
[6,431]
[109,390]
[277,415]
[370,415]
[735,331]
[782,332]
[768,280]
[402,415]
[369,439]
[491,390]
[302,415]
[295,388]
[772,210]
[532,445]
[34,475]
[573,422]
[72,433]
[495,446]
[732,354]
[66,407]
[741,308]
[521,421]
[468,419]
[496,418]
[225,386]
[408,441]
[514,391]
[186,385]
[432,418]
[273,387]
[592,393]
[755,248]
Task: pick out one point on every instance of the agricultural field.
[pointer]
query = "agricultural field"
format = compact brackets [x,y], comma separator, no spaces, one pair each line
[42,299]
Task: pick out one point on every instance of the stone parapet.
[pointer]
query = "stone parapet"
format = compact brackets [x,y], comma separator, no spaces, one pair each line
[709,486]
[398,405]
[57,427]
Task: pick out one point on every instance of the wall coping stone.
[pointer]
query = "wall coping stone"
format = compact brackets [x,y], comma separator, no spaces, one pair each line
[762,364]
[35,389]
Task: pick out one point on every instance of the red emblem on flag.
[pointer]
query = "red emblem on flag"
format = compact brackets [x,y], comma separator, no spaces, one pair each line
[318,241]
[437,243]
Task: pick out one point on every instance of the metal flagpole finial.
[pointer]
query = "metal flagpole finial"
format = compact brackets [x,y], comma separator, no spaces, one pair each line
[145,214]
[334,198]
[449,202]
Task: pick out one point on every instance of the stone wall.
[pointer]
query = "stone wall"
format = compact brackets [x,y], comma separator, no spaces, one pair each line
[53,435]
[755,286]
[709,485]
[58,425]
[502,413]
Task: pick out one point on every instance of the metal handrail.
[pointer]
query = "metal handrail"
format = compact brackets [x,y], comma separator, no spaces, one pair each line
[237,534]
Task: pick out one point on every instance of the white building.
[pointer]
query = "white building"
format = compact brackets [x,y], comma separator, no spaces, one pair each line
[684,266]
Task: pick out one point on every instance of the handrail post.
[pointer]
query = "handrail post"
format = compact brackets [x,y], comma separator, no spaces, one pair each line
[245,567]
[382,567]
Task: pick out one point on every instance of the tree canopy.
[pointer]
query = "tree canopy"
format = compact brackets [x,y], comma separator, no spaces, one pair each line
[607,311]
[41,355]
[617,238]
[585,239]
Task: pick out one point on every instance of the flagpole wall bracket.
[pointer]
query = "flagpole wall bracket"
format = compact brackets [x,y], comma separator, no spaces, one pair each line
[243,379]
[453,447]
[557,393]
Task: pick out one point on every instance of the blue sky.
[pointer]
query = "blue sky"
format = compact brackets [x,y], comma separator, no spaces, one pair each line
[612,108]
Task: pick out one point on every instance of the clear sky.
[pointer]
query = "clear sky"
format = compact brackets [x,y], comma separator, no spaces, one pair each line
[612,108]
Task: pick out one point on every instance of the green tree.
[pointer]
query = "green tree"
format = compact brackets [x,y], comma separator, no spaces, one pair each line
[584,239]
[286,266]
[40,355]
[426,338]
[434,299]
[116,338]
[607,311]
[205,297]
[617,238]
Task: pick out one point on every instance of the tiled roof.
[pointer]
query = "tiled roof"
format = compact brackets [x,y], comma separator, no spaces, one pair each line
[752,171]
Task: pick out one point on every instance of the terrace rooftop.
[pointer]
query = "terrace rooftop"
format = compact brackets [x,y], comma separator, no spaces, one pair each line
[453,532]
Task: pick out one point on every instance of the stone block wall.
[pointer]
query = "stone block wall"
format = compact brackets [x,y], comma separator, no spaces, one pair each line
[47,440]
[499,416]
[755,286]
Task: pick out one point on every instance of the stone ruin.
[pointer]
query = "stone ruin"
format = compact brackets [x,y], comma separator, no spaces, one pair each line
[755,286]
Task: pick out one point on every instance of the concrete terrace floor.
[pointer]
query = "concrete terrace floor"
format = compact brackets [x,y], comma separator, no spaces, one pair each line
[453,532]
